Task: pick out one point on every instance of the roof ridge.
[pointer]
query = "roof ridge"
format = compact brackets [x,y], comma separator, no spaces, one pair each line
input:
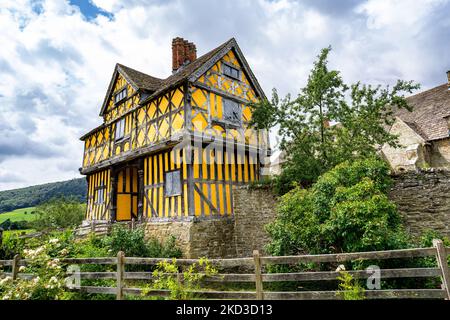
[427,91]
[135,70]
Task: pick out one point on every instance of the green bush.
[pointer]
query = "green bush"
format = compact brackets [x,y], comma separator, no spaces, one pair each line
[134,244]
[59,213]
[347,210]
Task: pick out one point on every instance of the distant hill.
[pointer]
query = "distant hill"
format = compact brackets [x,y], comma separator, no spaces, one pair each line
[34,195]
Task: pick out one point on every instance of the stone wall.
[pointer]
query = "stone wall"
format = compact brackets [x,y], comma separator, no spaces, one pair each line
[423,199]
[253,209]
[235,236]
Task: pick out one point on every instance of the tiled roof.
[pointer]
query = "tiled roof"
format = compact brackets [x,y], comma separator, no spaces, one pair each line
[140,79]
[429,111]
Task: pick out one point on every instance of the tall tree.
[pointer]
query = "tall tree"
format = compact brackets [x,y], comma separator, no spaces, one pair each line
[329,122]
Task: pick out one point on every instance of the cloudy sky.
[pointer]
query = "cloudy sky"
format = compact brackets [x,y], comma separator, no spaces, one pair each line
[57,57]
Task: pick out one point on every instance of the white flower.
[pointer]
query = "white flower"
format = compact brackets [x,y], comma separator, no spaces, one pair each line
[5,280]
[55,240]
[341,267]
[22,268]
[53,280]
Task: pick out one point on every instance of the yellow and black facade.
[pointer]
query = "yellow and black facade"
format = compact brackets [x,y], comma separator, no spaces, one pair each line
[174,148]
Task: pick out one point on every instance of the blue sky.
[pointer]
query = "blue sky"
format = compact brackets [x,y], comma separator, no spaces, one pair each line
[89,9]
[57,58]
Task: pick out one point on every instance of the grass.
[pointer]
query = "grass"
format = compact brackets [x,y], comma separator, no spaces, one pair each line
[18,232]
[18,215]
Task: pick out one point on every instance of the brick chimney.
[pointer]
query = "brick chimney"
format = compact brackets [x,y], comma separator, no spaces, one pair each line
[183,52]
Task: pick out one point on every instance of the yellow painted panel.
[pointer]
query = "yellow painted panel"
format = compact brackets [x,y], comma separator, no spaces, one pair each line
[177,98]
[163,104]
[228,196]
[134,204]
[152,133]
[221,203]
[213,104]
[120,182]
[199,99]
[178,121]
[151,111]
[199,121]
[205,193]
[123,207]
[163,129]
[185,195]
[197,202]
[160,207]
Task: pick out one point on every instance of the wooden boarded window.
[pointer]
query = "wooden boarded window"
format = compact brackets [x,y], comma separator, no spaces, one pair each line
[230,71]
[122,94]
[232,112]
[172,183]
[120,129]
[100,194]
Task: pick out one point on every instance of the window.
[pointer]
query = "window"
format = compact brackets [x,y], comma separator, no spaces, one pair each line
[120,129]
[231,111]
[172,183]
[230,71]
[100,195]
[122,94]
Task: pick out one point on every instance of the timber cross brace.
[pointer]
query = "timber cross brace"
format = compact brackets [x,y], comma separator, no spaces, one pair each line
[174,148]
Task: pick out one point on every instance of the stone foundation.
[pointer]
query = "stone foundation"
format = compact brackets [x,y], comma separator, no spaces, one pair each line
[235,236]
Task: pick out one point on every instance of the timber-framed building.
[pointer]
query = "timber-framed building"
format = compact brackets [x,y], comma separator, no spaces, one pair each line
[174,148]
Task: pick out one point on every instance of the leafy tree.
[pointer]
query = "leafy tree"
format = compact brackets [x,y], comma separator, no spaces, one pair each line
[346,210]
[59,213]
[329,122]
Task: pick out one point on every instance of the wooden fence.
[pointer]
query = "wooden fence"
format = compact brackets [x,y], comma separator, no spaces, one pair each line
[259,278]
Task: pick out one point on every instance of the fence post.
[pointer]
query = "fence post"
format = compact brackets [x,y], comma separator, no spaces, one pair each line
[93,225]
[258,276]
[15,266]
[441,258]
[120,273]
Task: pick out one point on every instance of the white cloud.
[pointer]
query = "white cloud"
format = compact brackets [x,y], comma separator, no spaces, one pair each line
[55,63]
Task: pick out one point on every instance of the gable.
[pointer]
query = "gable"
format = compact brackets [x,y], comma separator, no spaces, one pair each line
[113,110]
[215,78]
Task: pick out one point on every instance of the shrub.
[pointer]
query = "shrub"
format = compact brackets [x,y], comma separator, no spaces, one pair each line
[181,285]
[58,213]
[349,288]
[48,283]
[134,244]
[347,210]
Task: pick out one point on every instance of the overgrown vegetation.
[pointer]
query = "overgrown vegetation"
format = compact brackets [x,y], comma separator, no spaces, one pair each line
[346,210]
[181,285]
[329,122]
[134,244]
[45,253]
[58,213]
[349,288]
[35,195]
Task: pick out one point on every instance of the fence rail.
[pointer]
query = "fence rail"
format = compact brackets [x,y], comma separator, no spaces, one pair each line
[259,278]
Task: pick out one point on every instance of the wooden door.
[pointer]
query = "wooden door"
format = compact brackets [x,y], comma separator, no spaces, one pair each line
[127,194]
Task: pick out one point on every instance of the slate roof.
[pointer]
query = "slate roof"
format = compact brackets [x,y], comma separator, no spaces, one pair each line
[430,108]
